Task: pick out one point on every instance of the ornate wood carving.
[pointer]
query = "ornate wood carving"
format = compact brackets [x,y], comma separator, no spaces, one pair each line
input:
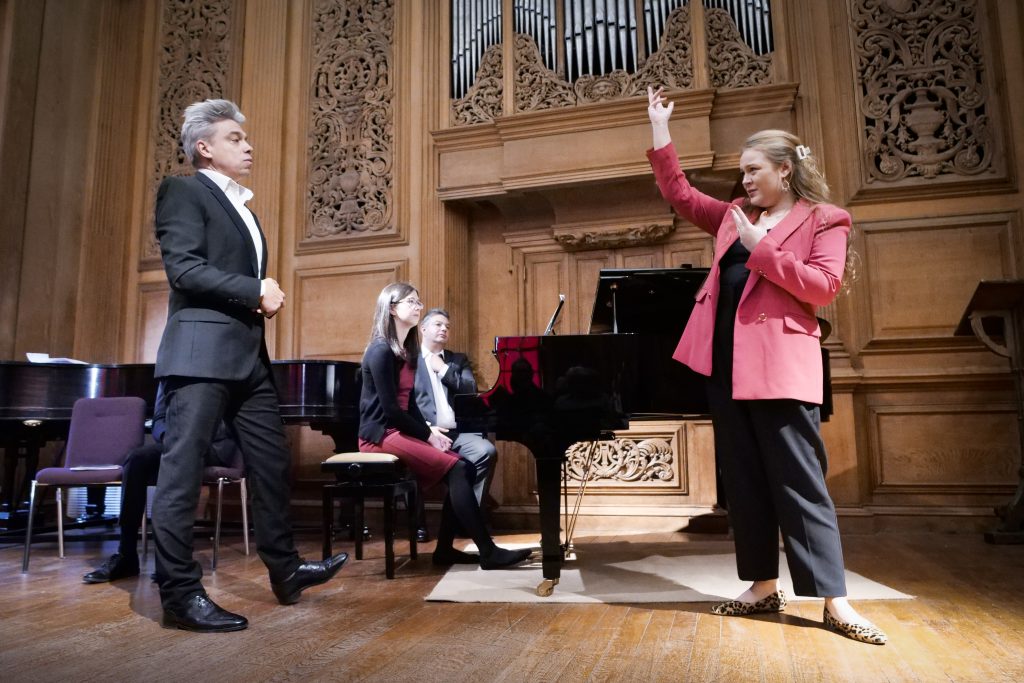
[621,460]
[483,101]
[196,57]
[923,89]
[537,87]
[732,62]
[350,145]
[604,235]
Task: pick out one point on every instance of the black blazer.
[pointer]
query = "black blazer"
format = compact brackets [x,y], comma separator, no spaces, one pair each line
[458,380]
[213,330]
[378,398]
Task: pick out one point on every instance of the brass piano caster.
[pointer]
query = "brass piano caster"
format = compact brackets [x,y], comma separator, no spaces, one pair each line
[546,588]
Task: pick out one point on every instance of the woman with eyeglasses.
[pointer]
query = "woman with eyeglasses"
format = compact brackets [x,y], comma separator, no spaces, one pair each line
[390,422]
[779,253]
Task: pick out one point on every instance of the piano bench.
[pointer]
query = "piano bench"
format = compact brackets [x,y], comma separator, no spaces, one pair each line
[370,475]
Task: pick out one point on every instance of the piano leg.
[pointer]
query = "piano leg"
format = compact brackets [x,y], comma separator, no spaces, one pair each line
[549,480]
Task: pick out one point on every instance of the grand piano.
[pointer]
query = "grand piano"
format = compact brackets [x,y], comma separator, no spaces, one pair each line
[553,391]
[36,401]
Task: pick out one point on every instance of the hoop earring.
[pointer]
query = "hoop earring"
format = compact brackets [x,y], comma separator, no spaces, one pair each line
[785,185]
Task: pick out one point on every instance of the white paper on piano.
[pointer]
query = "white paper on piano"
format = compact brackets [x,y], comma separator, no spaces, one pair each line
[90,468]
[45,358]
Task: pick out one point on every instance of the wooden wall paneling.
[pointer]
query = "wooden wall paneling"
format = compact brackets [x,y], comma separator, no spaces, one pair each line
[545,276]
[150,317]
[21,35]
[63,139]
[942,448]
[584,267]
[920,273]
[262,99]
[333,309]
[106,258]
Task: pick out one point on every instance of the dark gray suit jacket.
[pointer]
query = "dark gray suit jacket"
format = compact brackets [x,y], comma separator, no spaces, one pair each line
[212,328]
[458,380]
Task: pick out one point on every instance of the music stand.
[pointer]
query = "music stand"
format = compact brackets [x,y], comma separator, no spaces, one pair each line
[997,308]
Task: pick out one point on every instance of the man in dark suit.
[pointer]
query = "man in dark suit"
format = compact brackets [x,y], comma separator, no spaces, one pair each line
[440,375]
[214,362]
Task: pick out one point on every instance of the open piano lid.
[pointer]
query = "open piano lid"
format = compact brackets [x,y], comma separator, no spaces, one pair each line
[645,300]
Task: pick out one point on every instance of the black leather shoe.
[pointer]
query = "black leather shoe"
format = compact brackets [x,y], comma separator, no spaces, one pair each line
[450,556]
[203,615]
[422,535]
[116,567]
[308,574]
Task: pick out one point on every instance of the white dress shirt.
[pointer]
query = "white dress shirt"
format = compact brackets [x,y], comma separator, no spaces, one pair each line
[239,195]
[445,415]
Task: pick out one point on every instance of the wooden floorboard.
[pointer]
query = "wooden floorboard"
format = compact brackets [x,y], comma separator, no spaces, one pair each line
[966,624]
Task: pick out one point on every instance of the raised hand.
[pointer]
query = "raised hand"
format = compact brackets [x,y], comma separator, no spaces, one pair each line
[750,234]
[656,109]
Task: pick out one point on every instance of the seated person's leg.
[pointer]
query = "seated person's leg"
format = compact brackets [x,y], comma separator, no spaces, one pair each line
[140,470]
[482,454]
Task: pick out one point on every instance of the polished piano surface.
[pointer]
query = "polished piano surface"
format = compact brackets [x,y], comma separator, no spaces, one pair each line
[553,391]
[36,401]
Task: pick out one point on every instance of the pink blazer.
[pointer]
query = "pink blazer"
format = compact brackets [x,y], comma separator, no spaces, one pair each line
[795,268]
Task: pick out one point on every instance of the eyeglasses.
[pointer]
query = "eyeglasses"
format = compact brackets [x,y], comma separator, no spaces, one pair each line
[415,303]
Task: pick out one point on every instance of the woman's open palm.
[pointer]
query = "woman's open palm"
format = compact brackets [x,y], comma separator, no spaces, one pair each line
[656,108]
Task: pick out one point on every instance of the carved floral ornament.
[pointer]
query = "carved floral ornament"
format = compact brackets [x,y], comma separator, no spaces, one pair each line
[194,64]
[923,95]
[624,461]
[350,144]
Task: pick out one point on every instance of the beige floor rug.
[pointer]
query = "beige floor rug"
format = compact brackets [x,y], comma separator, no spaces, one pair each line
[624,572]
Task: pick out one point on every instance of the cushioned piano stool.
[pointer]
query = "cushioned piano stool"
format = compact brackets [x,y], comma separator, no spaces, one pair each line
[370,475]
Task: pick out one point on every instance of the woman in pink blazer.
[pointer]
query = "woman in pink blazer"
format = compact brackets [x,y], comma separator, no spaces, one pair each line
[779,253]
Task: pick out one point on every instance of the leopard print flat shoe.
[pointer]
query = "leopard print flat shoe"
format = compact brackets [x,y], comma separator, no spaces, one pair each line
[776,602]
[865,633]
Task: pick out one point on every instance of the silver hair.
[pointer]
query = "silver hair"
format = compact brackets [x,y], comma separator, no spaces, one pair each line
[434,312]
[200,118]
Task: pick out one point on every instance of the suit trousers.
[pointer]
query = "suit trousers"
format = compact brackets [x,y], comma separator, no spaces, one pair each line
[140,472]
[480,453]
[773,464]
[195,406]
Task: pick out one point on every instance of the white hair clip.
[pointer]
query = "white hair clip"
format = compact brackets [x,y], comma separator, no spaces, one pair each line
[802,152]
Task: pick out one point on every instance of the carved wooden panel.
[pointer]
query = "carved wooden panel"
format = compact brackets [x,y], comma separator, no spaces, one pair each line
[650,458]
[955,448]
[920,273]
[351,138]
[483,101]
[546,276]
[733,64]
[334,308]
[926,88]
[199,55]
[150,318]
[537,87]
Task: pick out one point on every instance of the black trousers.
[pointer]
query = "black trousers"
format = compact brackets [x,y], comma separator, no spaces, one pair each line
[773,464]
[194,409]
[140,471]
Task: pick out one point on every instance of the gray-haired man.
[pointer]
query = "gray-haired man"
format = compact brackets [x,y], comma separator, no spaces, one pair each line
[214,363]
[440,375]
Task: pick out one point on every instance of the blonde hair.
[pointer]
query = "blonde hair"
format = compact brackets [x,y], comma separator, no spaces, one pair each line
[806,179]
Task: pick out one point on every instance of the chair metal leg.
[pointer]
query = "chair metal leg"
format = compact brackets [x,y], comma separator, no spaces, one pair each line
[145,536]
[60,523]
[28,529]
[244,492]
[216,523]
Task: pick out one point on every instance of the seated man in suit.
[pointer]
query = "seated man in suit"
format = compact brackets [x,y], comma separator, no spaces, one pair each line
[140,471]
[439,376]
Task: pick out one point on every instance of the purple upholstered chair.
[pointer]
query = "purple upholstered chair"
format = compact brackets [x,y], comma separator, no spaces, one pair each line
[235,474]
[103,431]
